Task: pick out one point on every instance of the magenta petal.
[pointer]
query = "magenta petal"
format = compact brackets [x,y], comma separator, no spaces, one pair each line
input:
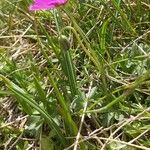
[46,4]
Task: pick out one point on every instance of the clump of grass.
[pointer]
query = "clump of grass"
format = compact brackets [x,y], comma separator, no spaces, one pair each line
[78,75]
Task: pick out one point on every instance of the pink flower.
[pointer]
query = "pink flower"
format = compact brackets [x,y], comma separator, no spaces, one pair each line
[46,4]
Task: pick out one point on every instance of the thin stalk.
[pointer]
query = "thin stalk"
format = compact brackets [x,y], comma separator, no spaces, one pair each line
[130,90]
[65,111]
[89,51]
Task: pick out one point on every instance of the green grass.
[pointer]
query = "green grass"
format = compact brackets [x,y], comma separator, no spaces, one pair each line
[77,77]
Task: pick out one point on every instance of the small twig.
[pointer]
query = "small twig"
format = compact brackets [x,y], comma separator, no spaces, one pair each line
[82,119]
[139,136]
[135,41]
[30,147]
[112,140]
[10,123]
[11,147]
[130,120]
[126,143]
[95,131]
[7,143]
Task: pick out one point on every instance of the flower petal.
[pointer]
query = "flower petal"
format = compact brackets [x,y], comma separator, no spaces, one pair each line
[46,4]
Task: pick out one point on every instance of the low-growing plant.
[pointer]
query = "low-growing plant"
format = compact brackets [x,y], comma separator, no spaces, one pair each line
[78,76]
